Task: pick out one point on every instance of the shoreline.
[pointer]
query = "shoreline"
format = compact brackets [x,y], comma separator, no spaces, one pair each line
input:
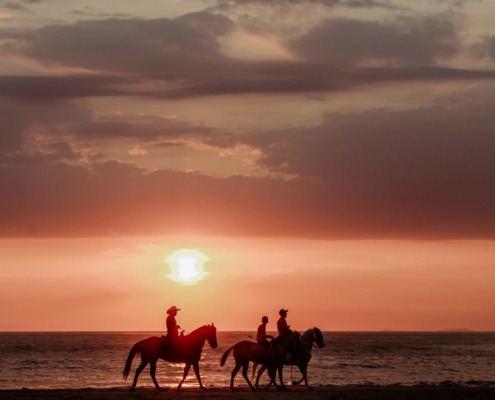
[296,393]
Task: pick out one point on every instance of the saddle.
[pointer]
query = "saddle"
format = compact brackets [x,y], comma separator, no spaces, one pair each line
[173,347]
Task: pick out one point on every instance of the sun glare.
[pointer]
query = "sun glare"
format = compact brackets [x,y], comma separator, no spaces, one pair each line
[186,266]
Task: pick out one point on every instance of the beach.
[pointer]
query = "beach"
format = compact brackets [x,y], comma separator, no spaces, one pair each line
[299,393]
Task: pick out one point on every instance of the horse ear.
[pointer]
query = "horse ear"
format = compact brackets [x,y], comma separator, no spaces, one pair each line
[212,324]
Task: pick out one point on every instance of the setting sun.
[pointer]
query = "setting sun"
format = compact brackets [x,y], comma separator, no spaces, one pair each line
[186,266]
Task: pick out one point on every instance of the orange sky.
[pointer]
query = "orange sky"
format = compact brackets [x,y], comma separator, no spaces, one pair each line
[121,284]
[335,158]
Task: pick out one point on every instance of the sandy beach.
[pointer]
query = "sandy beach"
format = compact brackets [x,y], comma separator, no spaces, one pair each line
[299,393]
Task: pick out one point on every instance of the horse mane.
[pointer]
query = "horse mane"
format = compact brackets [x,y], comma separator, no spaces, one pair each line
[201,328]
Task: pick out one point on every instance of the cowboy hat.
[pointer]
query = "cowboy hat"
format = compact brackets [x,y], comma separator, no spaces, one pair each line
[173,308]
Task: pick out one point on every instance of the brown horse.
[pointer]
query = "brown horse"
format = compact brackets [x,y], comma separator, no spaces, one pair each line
[246,351]
[151,351]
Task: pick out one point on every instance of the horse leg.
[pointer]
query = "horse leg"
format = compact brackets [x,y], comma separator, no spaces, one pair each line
[260,372]
[196,371]
[152,373]
[234,373]
[300,369]
[245,368]
[304,371]
[255,365]
[281,377]
[138,371]
[271,374]
[186,371]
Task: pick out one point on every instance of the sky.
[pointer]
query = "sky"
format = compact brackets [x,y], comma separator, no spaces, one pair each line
[332,157]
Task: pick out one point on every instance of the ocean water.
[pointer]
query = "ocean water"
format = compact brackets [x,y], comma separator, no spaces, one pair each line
[82,360]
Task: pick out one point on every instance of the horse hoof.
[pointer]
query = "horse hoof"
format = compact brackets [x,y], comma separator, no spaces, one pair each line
[309,387]
[294,383]
[132,389]
[202,388]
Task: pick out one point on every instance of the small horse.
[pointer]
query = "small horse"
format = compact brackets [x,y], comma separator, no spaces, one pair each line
[246,351]
[151,351]
[309,337]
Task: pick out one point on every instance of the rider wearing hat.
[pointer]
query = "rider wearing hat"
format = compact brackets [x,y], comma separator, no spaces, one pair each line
[172,327]
[172,342]
[282,326]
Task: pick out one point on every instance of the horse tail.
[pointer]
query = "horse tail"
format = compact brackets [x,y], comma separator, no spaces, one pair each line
[225,355]
[134,351]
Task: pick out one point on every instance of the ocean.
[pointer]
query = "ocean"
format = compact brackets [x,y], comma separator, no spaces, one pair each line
[96,360]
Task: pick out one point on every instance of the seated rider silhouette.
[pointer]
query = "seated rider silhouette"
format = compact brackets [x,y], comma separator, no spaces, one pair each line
[261,336]
[282,328]
[172,342]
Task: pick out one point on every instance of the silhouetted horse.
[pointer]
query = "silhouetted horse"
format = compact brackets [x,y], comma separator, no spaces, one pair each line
[303,352]
[246,351]
[151,351]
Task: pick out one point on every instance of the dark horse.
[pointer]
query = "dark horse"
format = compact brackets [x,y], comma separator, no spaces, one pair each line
[246,351]
[150,351]
[303,352]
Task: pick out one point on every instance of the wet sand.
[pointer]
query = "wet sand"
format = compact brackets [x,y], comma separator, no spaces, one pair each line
[299,393]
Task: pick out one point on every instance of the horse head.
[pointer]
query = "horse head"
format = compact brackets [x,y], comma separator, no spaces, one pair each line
[319,338]
[211,336]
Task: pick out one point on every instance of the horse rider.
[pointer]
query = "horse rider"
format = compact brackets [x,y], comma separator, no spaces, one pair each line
[261,336]
[262,339]
[172,341]
[172,327]
[282,326]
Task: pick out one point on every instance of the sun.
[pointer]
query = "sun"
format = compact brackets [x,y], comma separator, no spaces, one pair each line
[186,266]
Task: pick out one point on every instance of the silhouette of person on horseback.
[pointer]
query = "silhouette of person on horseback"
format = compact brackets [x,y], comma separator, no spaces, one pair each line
[282,328]
[172,342]
[261,336]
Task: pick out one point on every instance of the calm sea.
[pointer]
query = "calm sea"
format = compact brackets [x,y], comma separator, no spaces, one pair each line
[82,360]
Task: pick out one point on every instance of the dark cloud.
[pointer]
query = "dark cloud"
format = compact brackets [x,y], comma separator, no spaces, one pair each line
[486,48]
[407,41]
[59,87]
[18,118]
[165,48]
[184,55]
[226,4]
[13,6]
[426,173]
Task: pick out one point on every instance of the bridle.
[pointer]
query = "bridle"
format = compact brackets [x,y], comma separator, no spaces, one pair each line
[312,341]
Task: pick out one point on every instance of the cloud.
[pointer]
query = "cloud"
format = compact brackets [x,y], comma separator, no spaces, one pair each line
[225,4]
[426,173]
[152,48]
[59,87]
[485,48]
[405,40]
[182,57]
